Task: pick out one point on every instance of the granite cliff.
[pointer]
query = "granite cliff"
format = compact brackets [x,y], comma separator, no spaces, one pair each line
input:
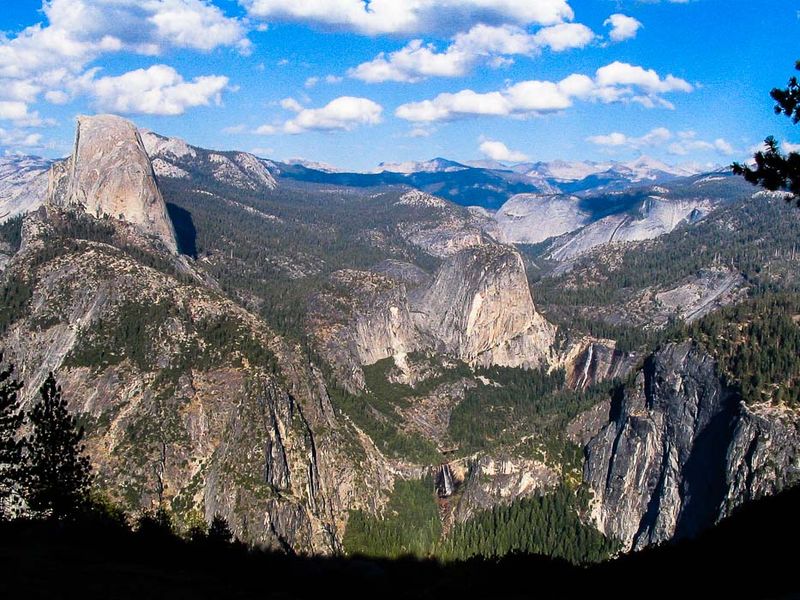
[677,449]
[110,175]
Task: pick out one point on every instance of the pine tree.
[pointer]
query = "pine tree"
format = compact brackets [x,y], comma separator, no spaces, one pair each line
[219,531]
[59,473]
[11,418]
[774,170]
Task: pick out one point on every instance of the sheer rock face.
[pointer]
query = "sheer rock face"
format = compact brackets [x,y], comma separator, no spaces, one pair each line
[365,320]
[764,456]
[479,308]
[679,450]
[110,174]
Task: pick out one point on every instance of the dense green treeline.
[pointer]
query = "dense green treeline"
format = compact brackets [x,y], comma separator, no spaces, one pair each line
[549,524]
[516,404]
[377,376]
[757,344]
[410,525]
[512,396]
[136,331]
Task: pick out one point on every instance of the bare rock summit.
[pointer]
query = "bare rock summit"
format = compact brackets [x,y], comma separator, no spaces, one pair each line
[110,174]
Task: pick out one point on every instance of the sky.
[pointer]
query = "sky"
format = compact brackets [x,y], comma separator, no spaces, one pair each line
[354,83]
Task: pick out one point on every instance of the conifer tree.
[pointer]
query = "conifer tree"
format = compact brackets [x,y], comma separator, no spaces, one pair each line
[219,531]
[11,418]
[58,472]
[774,170]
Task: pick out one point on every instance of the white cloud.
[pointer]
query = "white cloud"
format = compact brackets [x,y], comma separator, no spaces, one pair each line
[267,130]
[342,114]
[482,43]
[624,74]
[655,137]
[686,146]
[420,132]
[790,147]
[56,97]
[291,104]
[196,24]
[20,139]
[564,36]
[618,82]
[685,142]
[159,90]
[499,151]
[50,58]
[19,114]
[329,79]
[622,26]
[410,16]
[13,111]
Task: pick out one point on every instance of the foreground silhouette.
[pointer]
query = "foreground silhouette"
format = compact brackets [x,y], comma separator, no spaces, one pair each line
[749,555]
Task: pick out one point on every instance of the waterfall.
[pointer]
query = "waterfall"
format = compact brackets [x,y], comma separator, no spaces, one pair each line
[445,486]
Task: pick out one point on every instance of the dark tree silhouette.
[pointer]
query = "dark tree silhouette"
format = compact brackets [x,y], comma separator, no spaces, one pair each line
[219,531]
[774,170]
[58,473]
[11,418]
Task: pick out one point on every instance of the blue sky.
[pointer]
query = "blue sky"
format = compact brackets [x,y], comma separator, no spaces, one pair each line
[331,81]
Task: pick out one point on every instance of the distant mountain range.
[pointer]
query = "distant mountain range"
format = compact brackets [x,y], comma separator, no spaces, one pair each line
[488,184]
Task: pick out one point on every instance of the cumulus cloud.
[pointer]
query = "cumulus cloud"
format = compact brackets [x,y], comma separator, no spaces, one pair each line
[482,43]
[342,114]
[564,36]
[420,132]
[624,74]
[499,151]
[680,144]
[49,59]
[159,90]
[410,16]
[13,111]
[617,82]
[622,26]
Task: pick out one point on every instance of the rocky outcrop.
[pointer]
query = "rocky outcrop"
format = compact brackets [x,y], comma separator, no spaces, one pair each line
[679,450]
[533,218]
[365,319]
[764,455]
[436,226]
[492,481]
[174,158]
[110,175]
[656,216]
[589,361]
[23,184]
[479,308]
